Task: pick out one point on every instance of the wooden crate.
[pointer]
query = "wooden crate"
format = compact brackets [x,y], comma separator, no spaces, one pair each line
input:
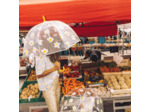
[128,110]
[120,93]
[125,62]
[88,65]
[124,73]
[108,74]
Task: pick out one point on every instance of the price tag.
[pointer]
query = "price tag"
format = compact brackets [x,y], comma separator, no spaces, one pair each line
[29,97]
[112,90]
[118,59]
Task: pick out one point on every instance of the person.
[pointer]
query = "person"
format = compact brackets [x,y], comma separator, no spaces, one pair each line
[20,41]
[48,79]
[86,40]
[93,54]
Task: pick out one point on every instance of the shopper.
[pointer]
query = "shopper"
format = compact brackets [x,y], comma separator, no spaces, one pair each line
[93,54]
[20,41]
[48,79]
[86,40]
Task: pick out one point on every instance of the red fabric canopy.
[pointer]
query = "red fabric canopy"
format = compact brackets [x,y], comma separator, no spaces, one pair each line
[94,28]
[73,11]
[96,31]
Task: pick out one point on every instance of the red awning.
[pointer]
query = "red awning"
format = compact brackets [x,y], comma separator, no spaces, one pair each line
[73,11]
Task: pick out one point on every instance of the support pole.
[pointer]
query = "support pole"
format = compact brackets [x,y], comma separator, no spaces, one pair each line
[123,40]
[117,37]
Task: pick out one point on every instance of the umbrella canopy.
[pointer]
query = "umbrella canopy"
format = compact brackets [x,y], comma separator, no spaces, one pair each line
[82,100]
[49,37]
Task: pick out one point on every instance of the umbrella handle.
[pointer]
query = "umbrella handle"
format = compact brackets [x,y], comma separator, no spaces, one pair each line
[44,18]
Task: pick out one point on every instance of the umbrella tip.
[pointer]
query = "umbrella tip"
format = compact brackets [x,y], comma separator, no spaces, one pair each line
[44,18]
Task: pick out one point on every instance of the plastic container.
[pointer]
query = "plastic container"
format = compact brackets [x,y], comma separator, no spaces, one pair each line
[101,40]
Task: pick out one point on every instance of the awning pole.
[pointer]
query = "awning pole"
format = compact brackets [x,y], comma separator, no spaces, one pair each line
[117,38]
[123,40]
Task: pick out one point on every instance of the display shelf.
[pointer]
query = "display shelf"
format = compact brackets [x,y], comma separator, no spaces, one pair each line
[123,105]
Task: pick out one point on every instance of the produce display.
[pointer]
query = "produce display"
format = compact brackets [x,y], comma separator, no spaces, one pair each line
[109,69]
[31,90]
[67,70]
[23,61]
[62,70]
[103,92]
[87,73]
[70,84]
[119,82]
[89,92]
[92,77]
[72,75]
[74,68]
[126,68]
[32,76]
[100,81]
[82,92]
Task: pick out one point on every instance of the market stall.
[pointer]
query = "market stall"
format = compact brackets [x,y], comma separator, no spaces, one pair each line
[103,86]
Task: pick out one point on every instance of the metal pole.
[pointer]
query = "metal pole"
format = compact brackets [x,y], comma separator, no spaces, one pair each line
[123,40]
[118,38]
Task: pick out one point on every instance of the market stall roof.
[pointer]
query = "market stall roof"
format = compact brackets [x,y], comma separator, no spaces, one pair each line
[73,11]
[92,28]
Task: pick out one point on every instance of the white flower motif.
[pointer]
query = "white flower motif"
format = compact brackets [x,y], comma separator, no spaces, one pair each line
[81,98]
[82,110]
[31,43]
[67,33]
[34,49]
[73,37]
[56,44]
[71,100]
[46,31]
[40,42]
[74,108]
[26,52]
[45,83]
[91,107]
[68,44]
[65,103]
[45,50]
[97,101]
[50,39]
[32,34]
